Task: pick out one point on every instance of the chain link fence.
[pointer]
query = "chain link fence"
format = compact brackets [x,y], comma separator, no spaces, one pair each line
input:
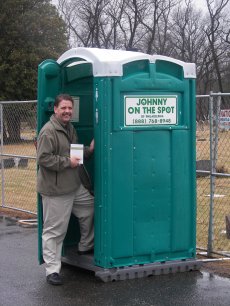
[18,155]
[213,174]
[18,166]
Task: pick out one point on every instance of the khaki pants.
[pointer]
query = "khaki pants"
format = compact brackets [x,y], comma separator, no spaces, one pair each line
[56,215]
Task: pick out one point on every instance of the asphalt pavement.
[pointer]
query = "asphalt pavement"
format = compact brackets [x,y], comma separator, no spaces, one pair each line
[22,281]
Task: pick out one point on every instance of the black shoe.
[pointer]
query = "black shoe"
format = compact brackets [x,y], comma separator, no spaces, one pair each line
[54,279]
[85,252]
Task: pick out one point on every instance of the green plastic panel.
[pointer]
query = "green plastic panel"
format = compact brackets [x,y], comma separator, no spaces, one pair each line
[145,175]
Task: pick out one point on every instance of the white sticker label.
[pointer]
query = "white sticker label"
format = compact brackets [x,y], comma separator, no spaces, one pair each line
[150,110]
[224,119]
[77,150]
[75,117]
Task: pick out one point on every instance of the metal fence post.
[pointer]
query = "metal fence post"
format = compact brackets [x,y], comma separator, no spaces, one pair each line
[216,130]
[212,178]
[2,163]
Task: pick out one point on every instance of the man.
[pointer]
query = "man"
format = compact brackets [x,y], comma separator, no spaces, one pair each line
[61,188]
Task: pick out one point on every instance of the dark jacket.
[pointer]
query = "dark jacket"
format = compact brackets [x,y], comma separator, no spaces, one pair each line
[55,175]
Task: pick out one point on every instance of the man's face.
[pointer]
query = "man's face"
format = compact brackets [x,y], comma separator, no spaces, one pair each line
[64,111]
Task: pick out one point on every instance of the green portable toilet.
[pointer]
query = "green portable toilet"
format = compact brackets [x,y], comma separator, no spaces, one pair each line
[140,109]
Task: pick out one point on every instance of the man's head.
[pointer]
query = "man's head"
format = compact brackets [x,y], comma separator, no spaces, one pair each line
[63,108]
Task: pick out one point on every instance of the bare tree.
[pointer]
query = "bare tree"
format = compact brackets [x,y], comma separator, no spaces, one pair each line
[168,27]
[130,23]
[110,29]
[126,24]
[84,19]
[214,32]
[189,42]
[103,23]
[154,18]
[162,44]
[67,10]
[186,33]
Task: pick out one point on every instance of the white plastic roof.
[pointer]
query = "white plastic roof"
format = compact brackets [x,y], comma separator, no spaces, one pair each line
[108,62]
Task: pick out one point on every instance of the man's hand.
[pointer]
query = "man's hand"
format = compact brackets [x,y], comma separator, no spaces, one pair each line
[74,162]
[91,147]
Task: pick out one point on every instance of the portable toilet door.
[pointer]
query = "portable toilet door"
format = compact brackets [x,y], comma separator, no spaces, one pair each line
[140,109]
[53,79]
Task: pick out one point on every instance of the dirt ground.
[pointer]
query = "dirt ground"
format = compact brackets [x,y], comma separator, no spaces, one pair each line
[16,214]
[221,268]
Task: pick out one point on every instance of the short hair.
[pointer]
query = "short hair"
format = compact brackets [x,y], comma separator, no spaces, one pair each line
[62,97]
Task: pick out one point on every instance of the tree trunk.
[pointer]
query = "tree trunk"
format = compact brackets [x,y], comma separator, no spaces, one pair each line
[13,128]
